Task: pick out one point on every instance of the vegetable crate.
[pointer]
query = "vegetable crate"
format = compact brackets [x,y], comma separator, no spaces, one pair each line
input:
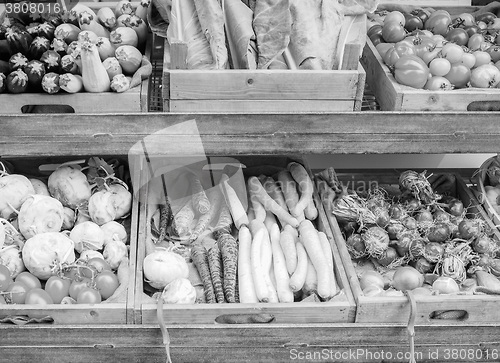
[338,309]
[431,3]
[269,91]
[429,309]
[393,96]
[132,100]
[119,310]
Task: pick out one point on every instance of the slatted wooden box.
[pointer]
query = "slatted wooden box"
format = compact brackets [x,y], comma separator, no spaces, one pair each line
[120,311]
[393,96]
[133,100]
[469,309]
[269,91]
[339,309]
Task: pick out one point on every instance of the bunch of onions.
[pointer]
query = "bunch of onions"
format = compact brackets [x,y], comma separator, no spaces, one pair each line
[376,241]
[356,246]
[418,186]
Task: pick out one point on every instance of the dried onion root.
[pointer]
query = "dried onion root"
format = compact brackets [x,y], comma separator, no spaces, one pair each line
[418,186]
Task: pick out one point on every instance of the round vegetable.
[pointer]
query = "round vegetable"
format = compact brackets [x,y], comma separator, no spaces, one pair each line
[179,291]
[162,267]
[70,186]
[407,278]
[40,214]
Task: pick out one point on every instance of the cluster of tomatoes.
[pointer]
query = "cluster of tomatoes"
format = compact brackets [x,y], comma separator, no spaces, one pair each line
[85,282]
[438,51]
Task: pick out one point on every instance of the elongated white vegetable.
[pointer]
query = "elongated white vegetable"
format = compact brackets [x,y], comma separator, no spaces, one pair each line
[327,250]
[71,83]
[285,293]
[246,287]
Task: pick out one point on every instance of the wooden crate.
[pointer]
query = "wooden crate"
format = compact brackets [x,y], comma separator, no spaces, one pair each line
[429,3]
[270,91]
[339,309]
[393,96]
[117,312]
[132,100]
[474,308]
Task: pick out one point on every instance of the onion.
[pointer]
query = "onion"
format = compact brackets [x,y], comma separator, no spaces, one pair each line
[373,290]
[439,232]
[397,211]
[407,278]
[445,285]
[483,244]
[470,228]
[376,241]
[394,229]
[356,246]
[388,256]
[423,265]
[402,244]
[455,207]
[369,278]
[440,216]
[416,247]
[424,216]
[422,291]
[433,252]
[410,223]
[382,217]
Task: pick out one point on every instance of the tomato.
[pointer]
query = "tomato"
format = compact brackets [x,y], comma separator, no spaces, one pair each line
[423,44]
[486,17]
[106,283]
[464,19]
[58,288]
[440,12]
[411,70]
[459,75]
[445,285]
[494,26]
[438,83]
[5,277]
[88,295]
[471,30]
[382,48]
[77,285]
[17,291]
[413,22]
[29,280]
[393,32]
[407,278]
[38,296]
[99,264]
[438,24]
[374,29]
[400,49]
[482,57]
[377,39]
[428,56]
[485,76]
[458,36]
[475,41]
[468,60]
[494,52]
[439,66]
[395,16]
[422,14]
[453,52]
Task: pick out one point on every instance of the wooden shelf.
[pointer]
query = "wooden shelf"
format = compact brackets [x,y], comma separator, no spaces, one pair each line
[354,132]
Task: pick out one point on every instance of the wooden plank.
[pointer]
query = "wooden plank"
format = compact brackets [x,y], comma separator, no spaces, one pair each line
[275,84]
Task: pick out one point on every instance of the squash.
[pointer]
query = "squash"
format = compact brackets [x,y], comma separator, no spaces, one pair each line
[129,57]
[120,83]
[112,66]
[94,75]
[106,17]
[68,64]
[123,7]
[105,47]
[140,27]
[67,32]
[71,83]
[124,36]
[87,34]
[88,21]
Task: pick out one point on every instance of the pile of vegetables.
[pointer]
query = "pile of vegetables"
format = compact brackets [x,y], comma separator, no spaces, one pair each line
[491,182]
[437,51]
[246,240]
[74,50]
[64,239]
[417,236]
[260,34]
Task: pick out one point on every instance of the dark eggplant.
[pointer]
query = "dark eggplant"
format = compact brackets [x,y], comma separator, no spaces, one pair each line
[38,46]
[33,29]
[46,30]
[52,60]
[4,50]
[3,82]
[18,61]
[50,83]
[19,40]
[4,67]
[35,70]
[17,81]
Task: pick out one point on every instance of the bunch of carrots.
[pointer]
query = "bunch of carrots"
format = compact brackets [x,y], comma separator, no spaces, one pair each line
[255,241]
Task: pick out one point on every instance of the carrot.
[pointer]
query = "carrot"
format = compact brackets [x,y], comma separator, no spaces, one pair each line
[305,184]
[165,220]
[204,220]
[282,280]
[275,192]
[142,73]
[224,221]
[183,220]
[289,188]
[308,236]
[299,275]
[261,289]
[229,251]
[311,282]
[236,208]
[268,203]
[246,287]
[327,250]
[267,265]
[201,203]
[199,255]
[287,243]
[215,265]
[237,182]
[257,207]
[311,212]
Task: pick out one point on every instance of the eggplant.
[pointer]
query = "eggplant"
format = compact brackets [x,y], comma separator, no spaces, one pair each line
[52,60]
[5,52]
[68,64]
[59,46]
[17,61]
[3,82]
[17,81]
[47,30]
[4,67]
[19,40]
[35,70]
[33,29]
[50,83]
[38,46]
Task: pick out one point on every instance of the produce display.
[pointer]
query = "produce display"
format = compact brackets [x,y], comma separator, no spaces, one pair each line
[435,50]
[278,34]
[488,187]
[248,239]
[64,238]
[416,235]
[74,50]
